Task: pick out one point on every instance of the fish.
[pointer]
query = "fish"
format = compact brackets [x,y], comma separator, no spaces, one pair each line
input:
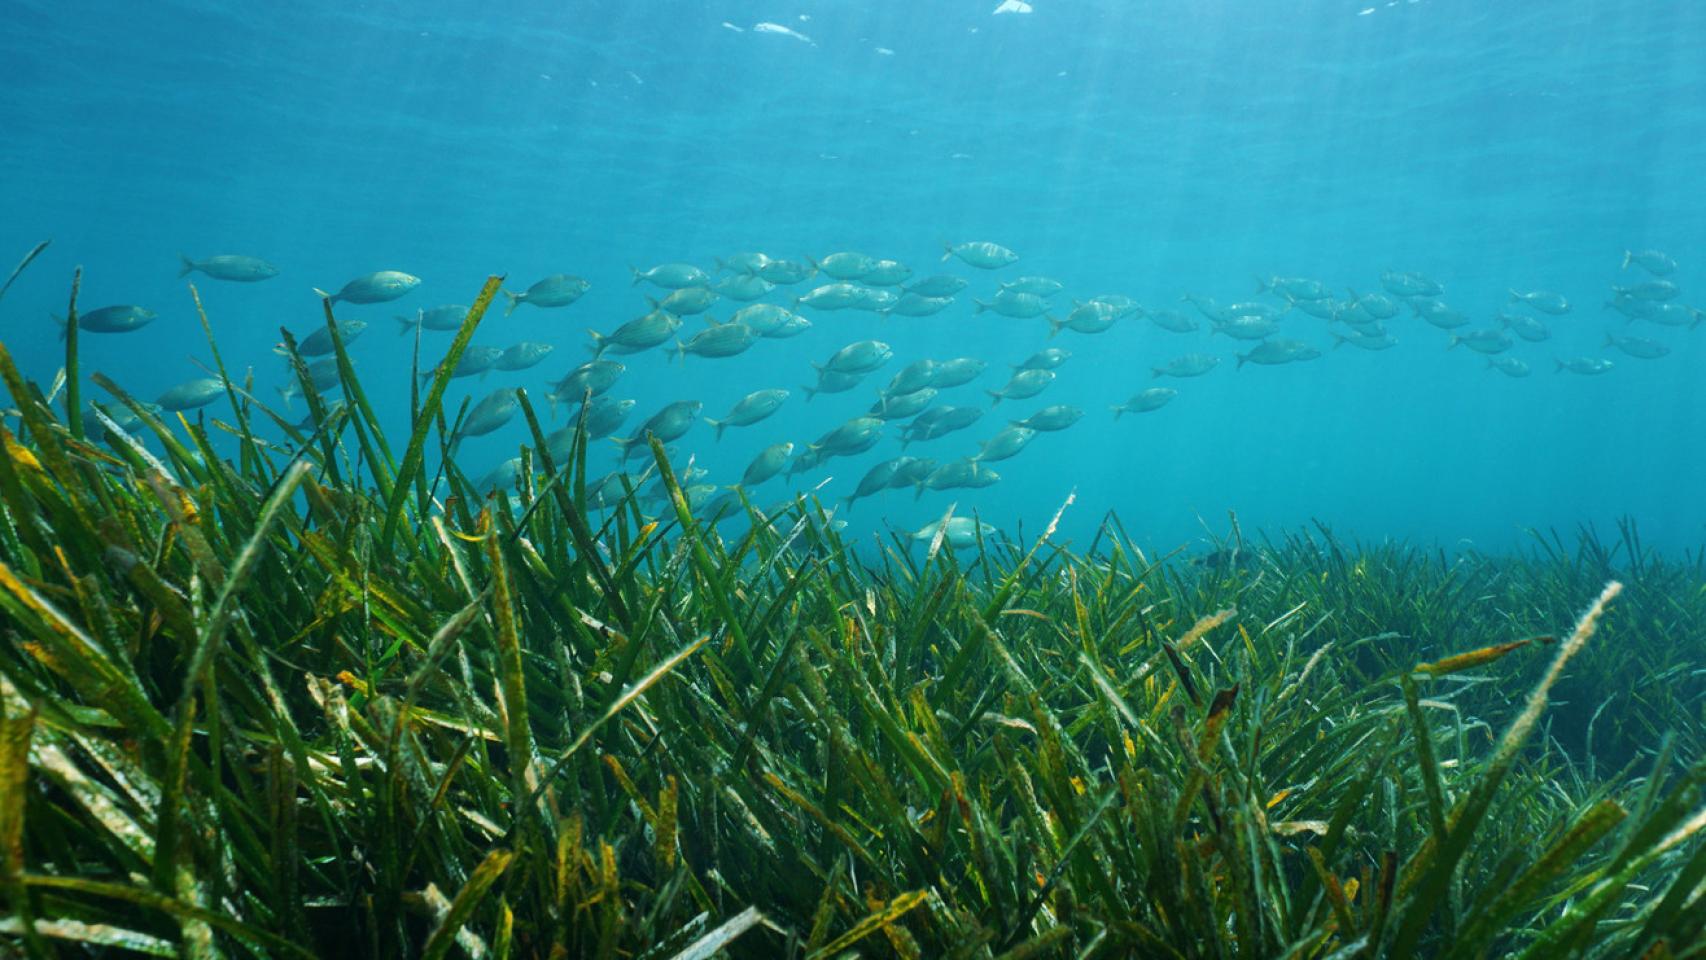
[1051,418]
[123,318]
[504,476]
[1438,313]
[750,409]
[938,422]
[1674,315]
[1633,308]
[1649,290]
[1173,321]
[761,318]
[594,376]
[913,305]
[911,471]
[1048,358]
[1524,326]
[861,357]
[886,273]
[830,296]
[1656,263]
[322,375]
[875,300]
[744,262]
[1294,288]
[852,437]
[780,30]
[638,334]
[1036,286]
[1091,316]
[767,464]
[899,406]
[980,254]
[1509,366]
[1277,351]
[494,411]
[669,424]
[228,266]
[1005,445]
[672,276]
[523,355]
[807,460]
[1146,401]
[319,342]
[1020,306]
[833,381]
[958,372]
[1407,284]
[1586,366]
[786,272]
[1638,347]
[962,533]
[1326,309]
[743,287]
[191,394]
[1377,305]
[447,317]
[1189,365]
[913,377]
[793,326]
[1363,341]
[877,479]
[1247,328]
[846,265]
[717,340]
[1483,341]
[476,360]
[1543,300]
[380,287]
[686,302]
[601,417]
[940,285]
[1023,385]
[964,473]
[1209,307]
[556,290]
[1123,305]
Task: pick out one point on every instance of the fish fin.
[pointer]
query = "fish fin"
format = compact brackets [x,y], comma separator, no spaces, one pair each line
[1628,258]
[187,267]
[514,301]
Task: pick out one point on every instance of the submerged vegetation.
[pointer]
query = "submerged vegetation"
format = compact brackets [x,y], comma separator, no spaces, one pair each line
[315,698]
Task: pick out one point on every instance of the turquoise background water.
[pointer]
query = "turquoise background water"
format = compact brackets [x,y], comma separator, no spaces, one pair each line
[1150,149]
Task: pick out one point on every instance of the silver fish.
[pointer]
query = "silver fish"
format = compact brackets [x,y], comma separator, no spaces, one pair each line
[750,409]
[980,254]
[877,479]
[1008,303]
[1405,285]
[523,355]
[853,437]
[957,474]
[862,356]
[638,334]
[831,296]
[118,319]
[1543,300]
[672,276]
[767,464]
[1638,347]
[961,533]
[1509,366]
[1277,351]
[718,340]
[1654,262]
[1091,316]
[668,425]
[1586,366]
[1146,401]
[743,287]
[1173,321]
[686,302]
[1036,286]
[1483,341]
[191,394]
[958,372]
[833,381]
[1056,417]
[319,343]
[556,290]
[846,265]
[1649,290]
[1189,365]
[447,317]
[912,377]
[493,411]
[1005,445]
[938,422]
[1023,385]
[1049,358]
[596,376]
[913,305]
[380,287]
[229,266]
[1247,328]
[940,285]
[899,406]
[782,272]
[1524,326]
[886,273]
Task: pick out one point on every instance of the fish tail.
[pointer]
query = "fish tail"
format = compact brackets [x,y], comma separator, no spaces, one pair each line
[1699,315]
[405,324]
[918,490]
[597,346]
[186,266]
[1261,285]
[1455,340]
[1515,296]
[330,298]
[810,393]
[720,425]
[1610,341]
[62,324]
[947,251]
[1560,367]
[1054,326]
[286,395]
[1156,373]
[981,306]
[997,396]
[680,353]
[514,301]
[1339,339]
[1117,411]
[1628,258]
[1242,357]
[848,502]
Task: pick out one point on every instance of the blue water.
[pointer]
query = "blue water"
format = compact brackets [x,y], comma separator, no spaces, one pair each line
[1149,149]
